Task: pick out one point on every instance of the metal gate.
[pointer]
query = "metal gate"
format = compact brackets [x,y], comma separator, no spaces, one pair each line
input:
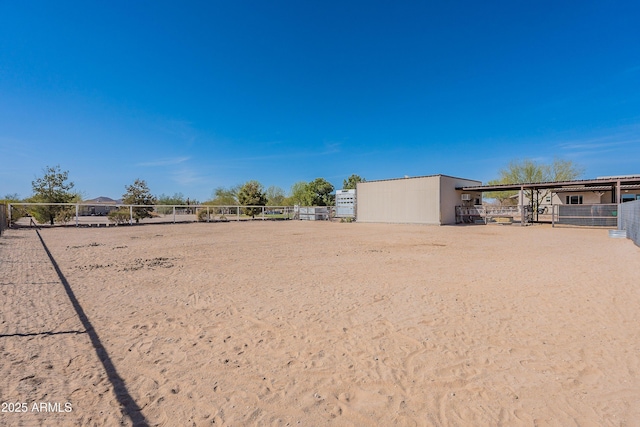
[600,215]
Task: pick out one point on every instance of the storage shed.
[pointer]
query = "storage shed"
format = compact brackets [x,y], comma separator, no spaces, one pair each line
[420,200]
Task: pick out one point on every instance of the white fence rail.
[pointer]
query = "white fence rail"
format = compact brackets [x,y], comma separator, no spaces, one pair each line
[491,215]
[83,214]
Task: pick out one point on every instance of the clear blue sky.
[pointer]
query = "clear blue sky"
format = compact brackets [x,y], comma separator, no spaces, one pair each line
[191,96]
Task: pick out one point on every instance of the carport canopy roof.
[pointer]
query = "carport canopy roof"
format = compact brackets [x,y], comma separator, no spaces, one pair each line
[627,181]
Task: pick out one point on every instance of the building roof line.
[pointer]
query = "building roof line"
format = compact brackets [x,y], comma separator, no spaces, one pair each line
[587,184]
[421,176]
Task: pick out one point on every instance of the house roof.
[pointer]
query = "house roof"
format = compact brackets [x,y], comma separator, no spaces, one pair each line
[102,200]
[601,188]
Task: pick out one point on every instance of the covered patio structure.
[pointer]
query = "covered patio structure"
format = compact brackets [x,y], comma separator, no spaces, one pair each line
[604,190]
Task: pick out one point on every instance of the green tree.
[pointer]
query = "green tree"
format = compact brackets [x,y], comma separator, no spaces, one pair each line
[176,199]
[321,190]
[314,193]
[351,182]
[52,187]
[226,196]
[275,196]
[301,194]
[252,194]
[139,194]
[11,198]
[529,171]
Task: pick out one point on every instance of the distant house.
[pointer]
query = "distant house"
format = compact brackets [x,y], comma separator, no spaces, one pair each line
[601,190]
[99,206]
[579,193]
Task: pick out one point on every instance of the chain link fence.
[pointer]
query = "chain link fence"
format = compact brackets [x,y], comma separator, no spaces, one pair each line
[630,220]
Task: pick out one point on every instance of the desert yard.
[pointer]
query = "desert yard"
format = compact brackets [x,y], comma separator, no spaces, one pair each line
[318,323]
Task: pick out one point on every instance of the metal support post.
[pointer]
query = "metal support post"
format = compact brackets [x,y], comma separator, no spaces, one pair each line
[522,212]
[618,192]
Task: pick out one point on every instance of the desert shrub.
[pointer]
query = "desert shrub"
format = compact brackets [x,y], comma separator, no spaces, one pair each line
[139,194]
[222,212]
[251,193]
[52,187]
[120,216]
[202,215]
[65,214]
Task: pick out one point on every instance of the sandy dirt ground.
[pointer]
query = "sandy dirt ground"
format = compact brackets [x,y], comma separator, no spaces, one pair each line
[305,323]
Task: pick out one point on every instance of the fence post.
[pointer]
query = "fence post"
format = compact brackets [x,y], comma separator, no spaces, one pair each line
[619,216]
[77,210]
[522,212]
[3,218]
[130,214]
[521,209]
[263,213]
[174,214]
[238,213]
[207,213]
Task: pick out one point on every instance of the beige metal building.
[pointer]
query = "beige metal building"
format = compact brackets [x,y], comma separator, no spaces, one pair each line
[420,200]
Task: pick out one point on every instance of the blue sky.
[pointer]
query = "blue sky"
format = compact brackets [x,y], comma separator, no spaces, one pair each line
[191,96]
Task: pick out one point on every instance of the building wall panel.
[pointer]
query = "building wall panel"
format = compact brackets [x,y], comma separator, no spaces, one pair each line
[410,200]
[420,200]
[450,197]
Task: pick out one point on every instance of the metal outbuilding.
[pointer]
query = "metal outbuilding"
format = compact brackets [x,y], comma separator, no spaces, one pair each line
[418,200]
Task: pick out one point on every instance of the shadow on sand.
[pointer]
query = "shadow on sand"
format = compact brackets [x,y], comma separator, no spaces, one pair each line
[129,406]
